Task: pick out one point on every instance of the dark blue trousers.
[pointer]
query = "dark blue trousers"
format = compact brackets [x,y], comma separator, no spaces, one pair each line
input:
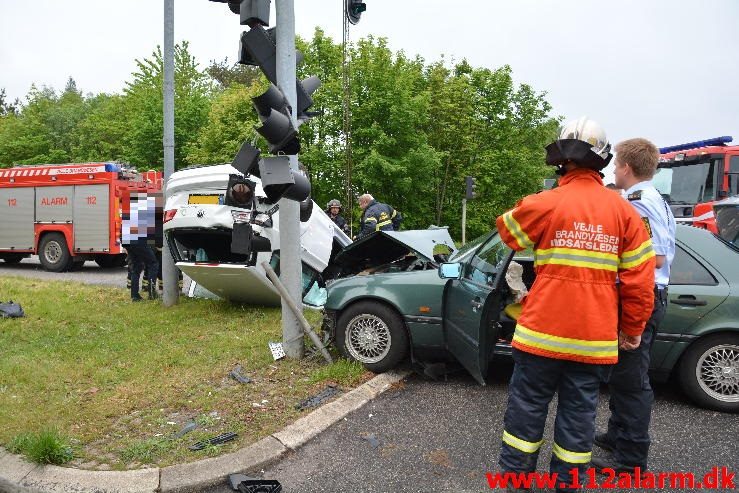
[632,397]
[142,255]
[533,384]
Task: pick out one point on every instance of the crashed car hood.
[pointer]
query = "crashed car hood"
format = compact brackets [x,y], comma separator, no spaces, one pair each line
[382,247]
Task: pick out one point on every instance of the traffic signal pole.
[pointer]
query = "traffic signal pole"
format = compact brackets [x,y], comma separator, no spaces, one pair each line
[290,265]
[464,219]
[170,292]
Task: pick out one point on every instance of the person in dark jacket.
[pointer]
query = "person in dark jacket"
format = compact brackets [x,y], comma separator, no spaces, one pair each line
[377,216]
[138,232]
[333,209]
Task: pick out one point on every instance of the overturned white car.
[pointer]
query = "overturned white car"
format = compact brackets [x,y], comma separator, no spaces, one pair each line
[220,230]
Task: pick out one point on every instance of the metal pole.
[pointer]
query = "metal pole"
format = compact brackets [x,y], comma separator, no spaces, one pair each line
[169,271]
[295,307]
[464,219]
[290,264]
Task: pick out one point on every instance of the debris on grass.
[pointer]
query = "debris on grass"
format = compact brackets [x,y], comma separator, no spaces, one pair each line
[278,352]
[192,425]
[238,376]
[216,440]
[317,399]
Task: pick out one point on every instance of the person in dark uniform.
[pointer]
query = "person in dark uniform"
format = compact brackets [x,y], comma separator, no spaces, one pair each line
[627,436]
[138,231]
[377,216]
[333,209]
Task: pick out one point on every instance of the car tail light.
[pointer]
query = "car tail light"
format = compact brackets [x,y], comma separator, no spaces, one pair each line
[169,215]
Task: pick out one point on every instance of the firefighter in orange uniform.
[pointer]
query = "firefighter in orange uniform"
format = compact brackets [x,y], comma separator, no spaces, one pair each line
[584,237]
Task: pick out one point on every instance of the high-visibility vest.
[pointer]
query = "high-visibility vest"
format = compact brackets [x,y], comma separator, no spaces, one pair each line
[584,236]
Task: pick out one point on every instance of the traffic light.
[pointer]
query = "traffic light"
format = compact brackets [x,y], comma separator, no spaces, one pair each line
[258,48]
[470,186]
[240,192]
[251,12]
[277,126]
[247,160]
[281,182]
[354,9]
[278,179]
[245,241]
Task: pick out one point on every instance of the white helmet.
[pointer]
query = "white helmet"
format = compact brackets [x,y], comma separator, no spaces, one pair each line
[588,131]
[582,141]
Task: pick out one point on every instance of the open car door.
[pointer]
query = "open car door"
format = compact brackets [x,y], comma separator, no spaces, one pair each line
[471,306]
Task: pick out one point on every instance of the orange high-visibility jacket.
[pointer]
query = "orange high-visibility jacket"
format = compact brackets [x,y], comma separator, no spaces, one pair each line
[583,236]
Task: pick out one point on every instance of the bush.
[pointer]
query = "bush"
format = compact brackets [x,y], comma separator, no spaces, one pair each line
[45,447]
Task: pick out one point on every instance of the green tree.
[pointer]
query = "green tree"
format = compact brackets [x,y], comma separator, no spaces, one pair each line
[45,129]
[322,140]
[230,121]
[144,101]
[7,107]
[100,135]
[393,159]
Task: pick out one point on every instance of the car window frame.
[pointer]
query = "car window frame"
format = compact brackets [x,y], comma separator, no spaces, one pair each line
[468,266]
[686,251]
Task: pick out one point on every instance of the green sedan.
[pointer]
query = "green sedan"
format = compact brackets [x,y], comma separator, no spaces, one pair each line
[409,295]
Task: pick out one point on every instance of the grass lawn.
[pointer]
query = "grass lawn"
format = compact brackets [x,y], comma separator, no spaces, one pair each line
[119,379]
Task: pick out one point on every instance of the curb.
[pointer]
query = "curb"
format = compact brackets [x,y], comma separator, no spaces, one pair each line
[199,475]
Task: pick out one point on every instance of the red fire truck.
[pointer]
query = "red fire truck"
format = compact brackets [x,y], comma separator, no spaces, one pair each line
[692,176]
[67,214]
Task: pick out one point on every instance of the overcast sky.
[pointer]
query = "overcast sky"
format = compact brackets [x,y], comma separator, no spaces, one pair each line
[667,70]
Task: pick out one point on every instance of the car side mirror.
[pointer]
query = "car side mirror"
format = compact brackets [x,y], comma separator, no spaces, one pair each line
[450,270]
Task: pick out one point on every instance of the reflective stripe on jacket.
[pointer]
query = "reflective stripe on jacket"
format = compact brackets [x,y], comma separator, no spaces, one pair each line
[378,217]
[583,237]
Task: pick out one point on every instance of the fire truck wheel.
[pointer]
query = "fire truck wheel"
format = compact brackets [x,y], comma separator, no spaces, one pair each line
[54,253]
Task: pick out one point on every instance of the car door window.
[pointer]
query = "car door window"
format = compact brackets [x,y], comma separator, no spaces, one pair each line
[485,265]
[687,270]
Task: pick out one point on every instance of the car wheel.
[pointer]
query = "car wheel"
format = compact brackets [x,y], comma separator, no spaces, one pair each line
[54,254]
[373,334]
[709,372]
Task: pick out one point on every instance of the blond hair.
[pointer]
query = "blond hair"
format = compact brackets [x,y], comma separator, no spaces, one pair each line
[641,155]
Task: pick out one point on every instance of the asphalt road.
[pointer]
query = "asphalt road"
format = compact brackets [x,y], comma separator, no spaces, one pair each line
[445,435]
[91,273]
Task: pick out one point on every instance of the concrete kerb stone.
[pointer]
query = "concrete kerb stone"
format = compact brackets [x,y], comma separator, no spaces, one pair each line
[195,476]
[14,468]
[55,479]
[307,427]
